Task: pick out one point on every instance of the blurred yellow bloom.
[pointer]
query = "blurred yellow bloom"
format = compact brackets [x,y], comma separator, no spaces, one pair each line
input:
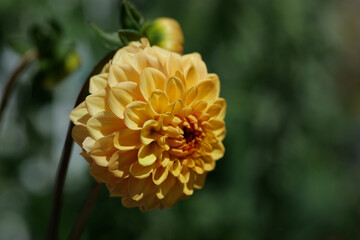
[153,125]
[166,33]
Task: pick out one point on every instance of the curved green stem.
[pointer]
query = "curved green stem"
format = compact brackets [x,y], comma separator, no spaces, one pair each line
[83,216]
[65,157]
[28,58]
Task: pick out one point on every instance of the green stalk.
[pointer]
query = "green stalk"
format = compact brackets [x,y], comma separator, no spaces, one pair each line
[26,60]
[64,161]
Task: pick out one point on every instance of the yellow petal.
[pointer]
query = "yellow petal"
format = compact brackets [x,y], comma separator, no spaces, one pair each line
[165,187]
[159,175]
[136,188]
[199,181]
[101,174]
[118,189]
[149,132]
[191,96]
[209,163]
[148,154]
[209,89]
[103,124]
[173,196]
[174,89]
[87,144]
[96,102]
[139,171]
[199,106]
[218,109]
[127,139]
[136,114]
[218,150]
[165,159]
[218,128]
[120,96]
[184,175]
[129,203]
[176,168]
[102,150]
[151,79]
[80,114]
[143,60]
[120,162]
[173,64]
[98,82]
[79,133]
[121,73]
[158,102]
[139,188]
[194,69]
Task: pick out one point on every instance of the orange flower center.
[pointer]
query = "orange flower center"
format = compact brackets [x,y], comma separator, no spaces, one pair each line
[189,142]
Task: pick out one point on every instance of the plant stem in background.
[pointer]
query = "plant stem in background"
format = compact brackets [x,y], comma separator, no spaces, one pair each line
[83,216]
[64,162]
[27,58]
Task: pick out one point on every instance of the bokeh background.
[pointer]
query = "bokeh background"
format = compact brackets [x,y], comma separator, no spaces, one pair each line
[290,72]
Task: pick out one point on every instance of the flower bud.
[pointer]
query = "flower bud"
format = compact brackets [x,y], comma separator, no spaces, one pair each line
[165,33]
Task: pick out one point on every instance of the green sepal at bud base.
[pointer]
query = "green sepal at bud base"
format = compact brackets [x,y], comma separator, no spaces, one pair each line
[130,18]
[128,35]
[110,40]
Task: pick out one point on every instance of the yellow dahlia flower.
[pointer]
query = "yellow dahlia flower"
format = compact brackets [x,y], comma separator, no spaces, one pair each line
[152,126]
[166,33]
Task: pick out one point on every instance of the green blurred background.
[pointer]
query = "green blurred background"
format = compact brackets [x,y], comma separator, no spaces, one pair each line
[290,72]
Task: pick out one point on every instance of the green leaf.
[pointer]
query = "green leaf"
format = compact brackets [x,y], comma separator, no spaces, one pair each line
[130,18]
[128,35]
[111,40]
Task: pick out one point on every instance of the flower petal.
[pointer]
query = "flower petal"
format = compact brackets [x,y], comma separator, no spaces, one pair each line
[120,96]
[149,132]
[96,102]
[164,188]
[98,82]
[173,64]
[218,150]
[176,168]
[151,79]
[158,102]
[159,175]
[218,109]
[174,89]
[122,73]
[79,133]
[127,139]
[102,150]
[139,171]
[209,89]
[173,195]
[218,128]
[80,114]
[120,162]
[194,69]
[148,154]
[103,124]
[136,114]
[144,60]
[191,96]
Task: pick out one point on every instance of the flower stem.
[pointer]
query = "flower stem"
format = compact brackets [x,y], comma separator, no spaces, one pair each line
[83,216]
[65,157]
[28,58]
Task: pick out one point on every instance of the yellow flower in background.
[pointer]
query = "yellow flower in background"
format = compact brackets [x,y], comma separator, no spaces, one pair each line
[152,126]
[166,33]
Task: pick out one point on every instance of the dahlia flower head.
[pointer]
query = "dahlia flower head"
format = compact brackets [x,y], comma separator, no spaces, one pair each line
[152,127]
